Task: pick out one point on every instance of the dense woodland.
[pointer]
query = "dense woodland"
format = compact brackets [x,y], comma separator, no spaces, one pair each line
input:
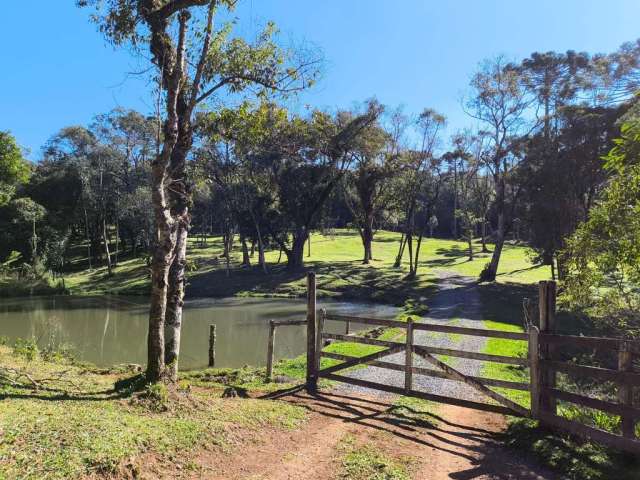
[551,161]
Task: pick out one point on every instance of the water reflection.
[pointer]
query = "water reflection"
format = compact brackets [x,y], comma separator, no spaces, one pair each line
[111,330]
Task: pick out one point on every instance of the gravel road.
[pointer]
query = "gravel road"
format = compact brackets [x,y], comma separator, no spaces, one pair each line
[456,303]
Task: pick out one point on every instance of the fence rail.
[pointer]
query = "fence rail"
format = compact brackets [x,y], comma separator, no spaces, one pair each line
[542,362]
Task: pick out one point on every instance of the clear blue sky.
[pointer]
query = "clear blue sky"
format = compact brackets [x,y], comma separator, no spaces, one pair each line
[57,70]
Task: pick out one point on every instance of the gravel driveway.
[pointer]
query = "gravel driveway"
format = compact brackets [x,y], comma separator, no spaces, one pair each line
[456,303]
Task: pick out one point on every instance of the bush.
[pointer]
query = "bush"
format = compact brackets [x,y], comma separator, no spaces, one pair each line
[27,349]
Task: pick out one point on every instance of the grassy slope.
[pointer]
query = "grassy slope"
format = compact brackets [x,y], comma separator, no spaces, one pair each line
[77,423]
[335,258]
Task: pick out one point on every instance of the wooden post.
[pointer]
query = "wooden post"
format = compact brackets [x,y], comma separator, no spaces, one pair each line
[270,345]
[534,370]
[625,391]
[408,358]
[321,319]
[347,327]
[547,307]
[212,346]
[312,374]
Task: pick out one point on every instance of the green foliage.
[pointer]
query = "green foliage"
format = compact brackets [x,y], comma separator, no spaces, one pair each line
[574,459]
[603,256]
[14,169]
[26,348]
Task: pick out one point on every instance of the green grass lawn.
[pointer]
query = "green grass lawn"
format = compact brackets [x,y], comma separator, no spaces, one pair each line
[66,420]
[335,258]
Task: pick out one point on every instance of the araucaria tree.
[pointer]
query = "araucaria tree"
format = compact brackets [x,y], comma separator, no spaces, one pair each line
[195,60]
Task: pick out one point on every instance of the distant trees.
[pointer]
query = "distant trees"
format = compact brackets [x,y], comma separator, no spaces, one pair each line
[14,169]
[419,186]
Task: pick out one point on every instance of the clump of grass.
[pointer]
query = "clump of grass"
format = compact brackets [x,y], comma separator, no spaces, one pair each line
[367,462]
[574,459]
[26,348]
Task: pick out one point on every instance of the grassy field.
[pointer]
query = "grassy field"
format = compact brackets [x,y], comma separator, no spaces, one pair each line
[64,420]
[335,258]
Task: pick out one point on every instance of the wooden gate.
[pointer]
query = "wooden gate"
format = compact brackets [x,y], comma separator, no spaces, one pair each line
[541,361]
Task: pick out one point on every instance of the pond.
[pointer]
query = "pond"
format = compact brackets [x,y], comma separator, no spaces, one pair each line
[111,330]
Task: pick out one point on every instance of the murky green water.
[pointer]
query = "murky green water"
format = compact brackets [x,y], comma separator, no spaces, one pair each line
[112,330]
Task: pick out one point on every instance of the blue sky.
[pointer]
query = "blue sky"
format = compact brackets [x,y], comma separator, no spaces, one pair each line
[57,70]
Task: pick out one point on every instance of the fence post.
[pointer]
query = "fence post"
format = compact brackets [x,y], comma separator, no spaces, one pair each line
[625,391]
[319,345]
[408,357]
[534,370]
[270,349]
[212,346]
[312,374]
[347,327]
[547,308]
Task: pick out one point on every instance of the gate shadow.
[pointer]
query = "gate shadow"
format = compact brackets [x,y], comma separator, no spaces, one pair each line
[461,437]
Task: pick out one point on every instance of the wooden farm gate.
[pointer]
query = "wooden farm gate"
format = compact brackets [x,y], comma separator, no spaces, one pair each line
[541,361]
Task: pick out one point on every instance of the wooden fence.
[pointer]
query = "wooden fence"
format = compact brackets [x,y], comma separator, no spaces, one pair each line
[542,362]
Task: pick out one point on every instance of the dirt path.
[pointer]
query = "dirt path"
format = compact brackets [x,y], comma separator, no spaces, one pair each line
[453,443]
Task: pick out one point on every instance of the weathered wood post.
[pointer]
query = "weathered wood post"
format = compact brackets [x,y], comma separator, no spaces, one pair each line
[547,307]
[534,370]
[312,374]
[408,357]
[321,320]
[270,349]
[625,390]
[212,346]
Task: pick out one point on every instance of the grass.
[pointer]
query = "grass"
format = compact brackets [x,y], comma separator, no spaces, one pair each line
[571,457]
[365,461]
[336,258]
[73,422]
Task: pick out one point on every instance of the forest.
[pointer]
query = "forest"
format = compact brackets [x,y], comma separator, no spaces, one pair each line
[134,202]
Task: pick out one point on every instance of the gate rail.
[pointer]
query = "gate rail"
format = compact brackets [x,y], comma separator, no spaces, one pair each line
[541,361]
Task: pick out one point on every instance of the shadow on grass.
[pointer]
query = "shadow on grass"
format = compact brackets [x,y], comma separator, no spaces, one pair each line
[337,279]
[123,388]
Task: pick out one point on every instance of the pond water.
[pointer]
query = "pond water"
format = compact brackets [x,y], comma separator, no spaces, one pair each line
[111,330]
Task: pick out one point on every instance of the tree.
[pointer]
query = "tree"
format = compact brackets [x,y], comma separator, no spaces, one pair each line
[603,255]
[367,186]
[500,102]
[422,178]
[14,169]
[194,63]
[562,176]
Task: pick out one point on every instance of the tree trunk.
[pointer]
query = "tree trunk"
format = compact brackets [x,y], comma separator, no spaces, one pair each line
[367,239]
[175,302]
[246,260]
[490,272]
[470,242]
[309,246]
[295,256]
[86,230]
[484,236]
[105,239]
[398,261]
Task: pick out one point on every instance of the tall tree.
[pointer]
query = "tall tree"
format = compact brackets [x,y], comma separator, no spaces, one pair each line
[195,61]
[500,101]
[367,185]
